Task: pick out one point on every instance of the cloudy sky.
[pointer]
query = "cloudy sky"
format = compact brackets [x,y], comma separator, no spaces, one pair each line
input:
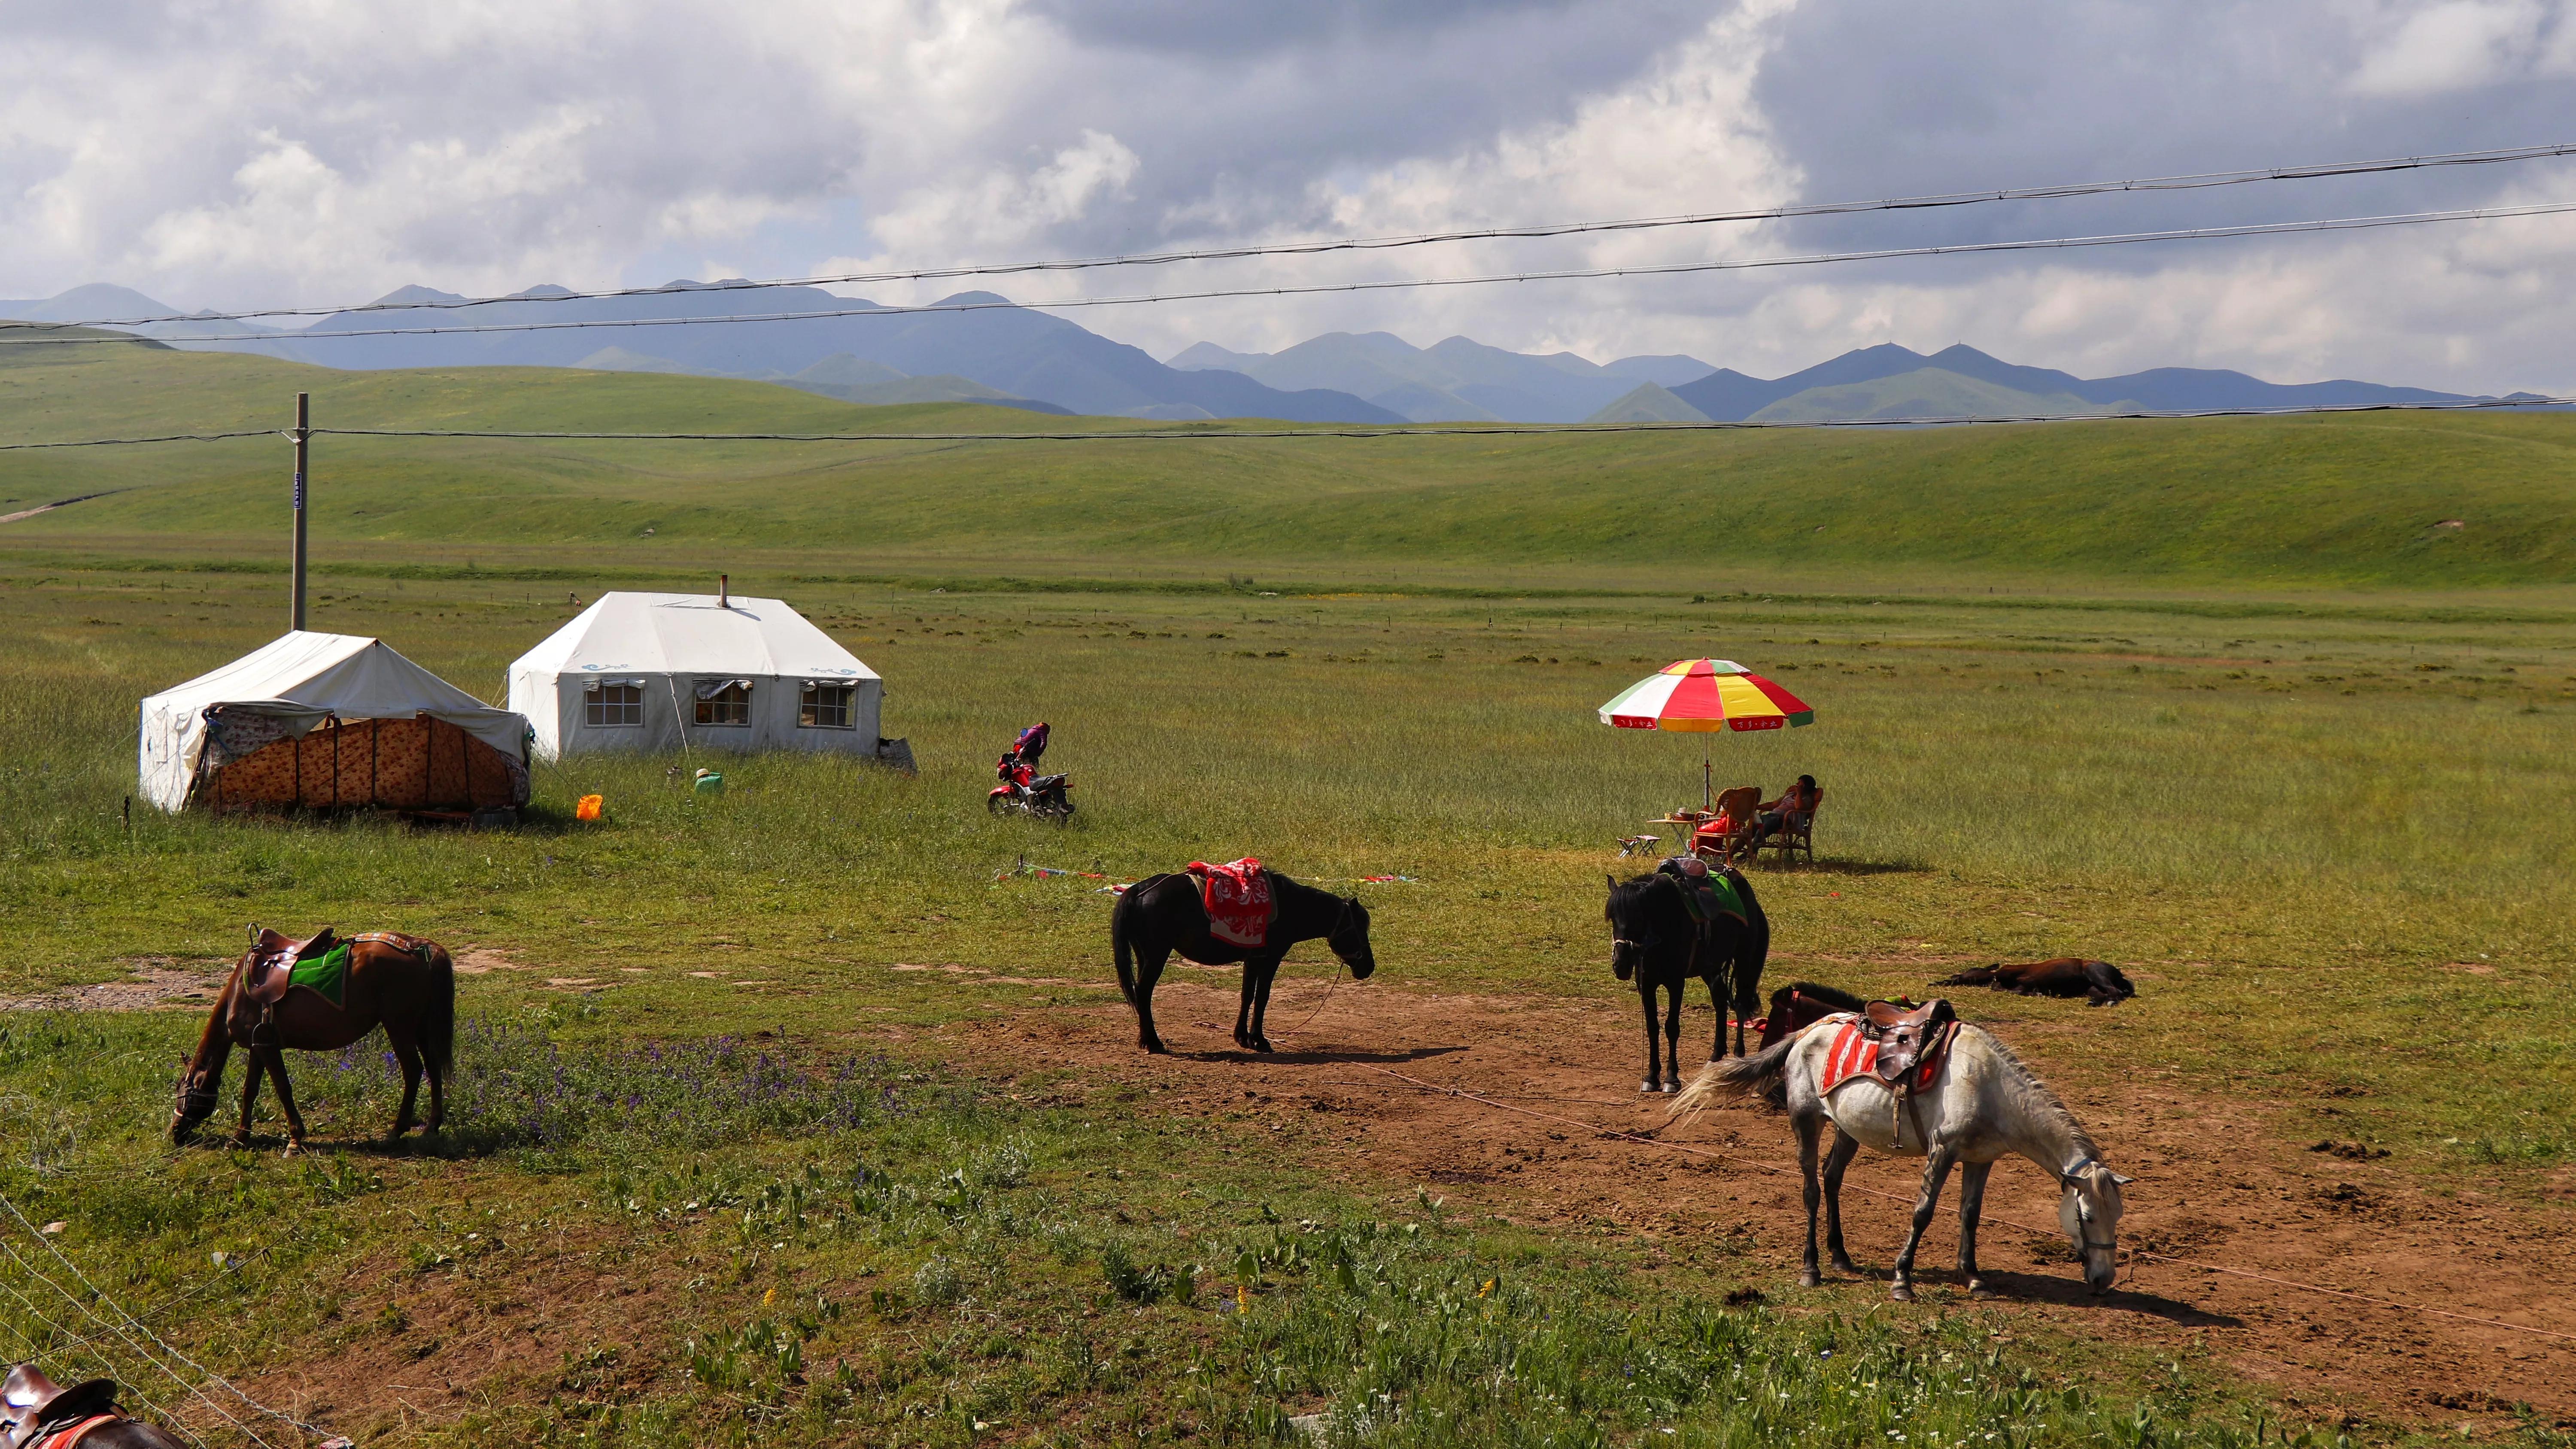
[265,152]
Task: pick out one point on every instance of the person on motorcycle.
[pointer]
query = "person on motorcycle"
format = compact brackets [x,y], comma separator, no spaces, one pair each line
[1012,770]
[1022,786]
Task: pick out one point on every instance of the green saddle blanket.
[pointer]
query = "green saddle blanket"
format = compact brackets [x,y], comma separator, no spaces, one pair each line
[1716,896]
[327,973]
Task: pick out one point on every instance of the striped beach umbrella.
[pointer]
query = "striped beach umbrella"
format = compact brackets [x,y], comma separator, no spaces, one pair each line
[1704,696]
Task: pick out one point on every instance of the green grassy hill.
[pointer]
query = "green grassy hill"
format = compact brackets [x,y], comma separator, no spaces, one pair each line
[1926,392]
[2361,500]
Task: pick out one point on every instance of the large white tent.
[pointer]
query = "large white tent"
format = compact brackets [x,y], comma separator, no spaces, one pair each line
[726,672]
[281,726]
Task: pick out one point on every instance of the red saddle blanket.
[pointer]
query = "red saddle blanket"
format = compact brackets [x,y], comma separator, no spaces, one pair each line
[1239,905]
[1855,1055]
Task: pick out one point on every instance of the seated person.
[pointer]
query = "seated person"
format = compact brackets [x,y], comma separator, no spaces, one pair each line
[1798,800]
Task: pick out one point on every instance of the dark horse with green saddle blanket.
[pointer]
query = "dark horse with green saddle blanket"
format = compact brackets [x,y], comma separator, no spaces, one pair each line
[319,995]
[1163,914]
[1668,927]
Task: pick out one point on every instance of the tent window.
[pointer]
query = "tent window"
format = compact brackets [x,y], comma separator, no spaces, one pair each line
[826,707]
[724,702]
[610,706]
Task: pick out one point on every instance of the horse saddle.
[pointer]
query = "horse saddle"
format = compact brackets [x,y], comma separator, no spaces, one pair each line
[1708,894]
[273,958]
[31,1404]
[1906,1034]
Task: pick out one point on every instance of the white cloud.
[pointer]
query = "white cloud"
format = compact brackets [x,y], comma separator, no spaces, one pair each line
[1000,210]
[2453,46]
[312,151]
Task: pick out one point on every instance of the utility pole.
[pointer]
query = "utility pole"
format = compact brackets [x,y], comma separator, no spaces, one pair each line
[303,435]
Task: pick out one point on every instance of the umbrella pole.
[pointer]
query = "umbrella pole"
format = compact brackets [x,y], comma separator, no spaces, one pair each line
[1707,794]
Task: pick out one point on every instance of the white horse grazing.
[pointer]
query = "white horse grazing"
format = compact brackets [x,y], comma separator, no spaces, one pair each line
[1981,1104]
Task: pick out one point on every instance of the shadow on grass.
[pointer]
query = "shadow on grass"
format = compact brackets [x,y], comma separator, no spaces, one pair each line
[449,1144]
[2071,1293]
[1851,867]
[1318,1058]
[2041,1288]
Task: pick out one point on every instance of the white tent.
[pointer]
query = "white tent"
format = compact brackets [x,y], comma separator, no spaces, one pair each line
[659,671]
[277,727]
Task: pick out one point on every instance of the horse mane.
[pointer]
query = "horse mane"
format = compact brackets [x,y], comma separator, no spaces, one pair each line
[2082,1139]
[1636,886]
[1831,995]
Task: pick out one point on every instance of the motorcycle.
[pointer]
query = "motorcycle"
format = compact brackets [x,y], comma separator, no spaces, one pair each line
[1023,790]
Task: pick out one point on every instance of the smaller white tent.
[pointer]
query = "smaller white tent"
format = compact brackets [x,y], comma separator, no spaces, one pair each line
[661,671]
[253,733]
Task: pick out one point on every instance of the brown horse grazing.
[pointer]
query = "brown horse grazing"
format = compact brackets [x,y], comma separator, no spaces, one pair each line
[2099,982]
[36,1413]
[402,983]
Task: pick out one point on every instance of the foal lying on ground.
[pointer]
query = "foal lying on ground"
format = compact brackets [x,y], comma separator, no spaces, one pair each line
[2098,981]
[1980,1104]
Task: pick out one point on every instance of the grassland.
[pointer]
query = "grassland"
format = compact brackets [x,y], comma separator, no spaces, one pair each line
[2349,804]
[2309,502]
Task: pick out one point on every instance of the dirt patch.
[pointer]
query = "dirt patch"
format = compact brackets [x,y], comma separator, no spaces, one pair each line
[2217,1189]
[158,982]
[483,960]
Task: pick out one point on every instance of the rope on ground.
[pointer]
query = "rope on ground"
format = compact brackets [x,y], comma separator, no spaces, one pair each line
[2356,1297]
[2134,1253]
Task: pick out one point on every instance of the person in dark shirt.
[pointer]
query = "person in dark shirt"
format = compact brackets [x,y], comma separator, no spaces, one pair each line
[1797,801]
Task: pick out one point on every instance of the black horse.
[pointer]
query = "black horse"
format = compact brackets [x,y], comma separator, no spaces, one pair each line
[1162,914]
[1655,941]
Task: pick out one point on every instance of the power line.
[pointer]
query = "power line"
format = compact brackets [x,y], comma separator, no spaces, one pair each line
[2206,233]
[1424,430]
[2189,182]
[128,442]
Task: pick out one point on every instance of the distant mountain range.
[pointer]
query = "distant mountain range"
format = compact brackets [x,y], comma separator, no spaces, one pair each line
[1459,380]
[1014,357]
[1464,381]
[1888,381]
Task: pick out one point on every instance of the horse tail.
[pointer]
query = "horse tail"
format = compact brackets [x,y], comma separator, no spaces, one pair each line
[437,1032]
[1753,951]
[1121,924]
[1764,1074]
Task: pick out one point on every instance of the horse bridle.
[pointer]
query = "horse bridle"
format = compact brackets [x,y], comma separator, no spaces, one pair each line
[2084,1213]
[1342,926]
[196,1099]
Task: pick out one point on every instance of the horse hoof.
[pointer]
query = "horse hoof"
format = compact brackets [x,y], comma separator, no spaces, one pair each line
[292,1148]
[1846,1265]
[1979,1288]
[1672,1085]
[1811,1279]
[1262,1044]
[1902,1292]
[1155,1045]
[1648,1087]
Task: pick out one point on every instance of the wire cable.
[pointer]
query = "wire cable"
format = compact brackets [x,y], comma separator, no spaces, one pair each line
[128,442]
[1424,430]
[2189,182]
[129,1321]
[144,1353]
[2205,233]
